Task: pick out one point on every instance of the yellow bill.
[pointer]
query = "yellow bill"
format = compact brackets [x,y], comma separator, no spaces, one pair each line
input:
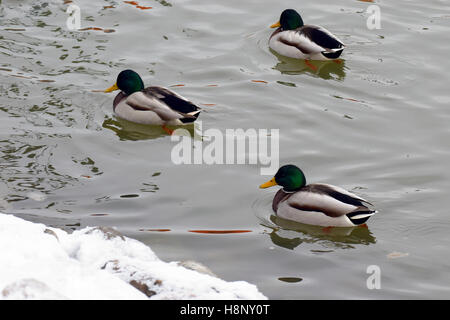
[276,25]
[269,184]
[112,88]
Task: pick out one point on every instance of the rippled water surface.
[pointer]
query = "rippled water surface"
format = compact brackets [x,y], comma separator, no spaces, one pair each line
[377,123]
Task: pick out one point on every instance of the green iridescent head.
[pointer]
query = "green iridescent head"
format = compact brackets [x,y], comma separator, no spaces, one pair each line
[289,20]
[290,177]
[128,81]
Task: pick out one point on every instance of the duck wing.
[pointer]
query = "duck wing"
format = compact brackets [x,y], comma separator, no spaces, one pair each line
[330,200]
[296,38]
[338,193]
[143,102]
[322,37]
[171,99]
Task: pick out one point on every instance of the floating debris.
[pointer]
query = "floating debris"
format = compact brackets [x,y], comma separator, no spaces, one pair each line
[136,4]
[97,29]
[259,81]
[129,195]
[321,251]
[290,279]
[288,84]
[143,8]
[19,76]
[91,28]
[395,255]
[14,29]
[349,99]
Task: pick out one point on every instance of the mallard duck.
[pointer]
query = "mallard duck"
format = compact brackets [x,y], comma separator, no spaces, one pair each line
[316,204]
[151,105]
[297,40]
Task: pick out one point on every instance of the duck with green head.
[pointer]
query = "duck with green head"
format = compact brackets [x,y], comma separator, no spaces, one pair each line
[294,39]
[316,204]
[151,105]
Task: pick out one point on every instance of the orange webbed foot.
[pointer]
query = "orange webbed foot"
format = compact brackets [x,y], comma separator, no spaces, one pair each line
[327,229]
[167,130]
[309,64]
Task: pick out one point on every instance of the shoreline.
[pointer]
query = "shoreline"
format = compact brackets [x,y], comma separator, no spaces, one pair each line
[41,262]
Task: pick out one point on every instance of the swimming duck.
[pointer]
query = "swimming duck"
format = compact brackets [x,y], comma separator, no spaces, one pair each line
[316,204]
[151,105]
[297,40]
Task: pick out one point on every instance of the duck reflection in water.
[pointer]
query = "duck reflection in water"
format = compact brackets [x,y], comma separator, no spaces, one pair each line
[127,130]
[290,234]
[332,69]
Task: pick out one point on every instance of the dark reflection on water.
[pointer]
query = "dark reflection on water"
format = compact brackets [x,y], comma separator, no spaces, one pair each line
[68,224]
[291,234]
[25,166]
[290,279]
[334,69]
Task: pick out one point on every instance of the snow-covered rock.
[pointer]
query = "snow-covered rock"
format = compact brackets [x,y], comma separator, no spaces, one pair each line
[39,262]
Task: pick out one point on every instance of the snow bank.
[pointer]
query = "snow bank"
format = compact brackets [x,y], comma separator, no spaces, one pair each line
[39,262]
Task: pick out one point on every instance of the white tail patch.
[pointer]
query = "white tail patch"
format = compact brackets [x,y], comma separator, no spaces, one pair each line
[193,113]
[362,216]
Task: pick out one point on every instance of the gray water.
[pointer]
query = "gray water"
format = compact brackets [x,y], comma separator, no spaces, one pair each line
[375,124]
